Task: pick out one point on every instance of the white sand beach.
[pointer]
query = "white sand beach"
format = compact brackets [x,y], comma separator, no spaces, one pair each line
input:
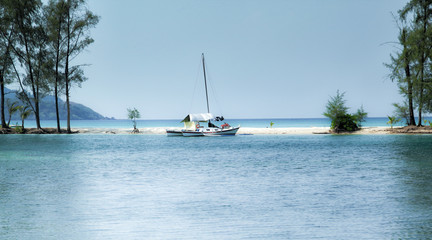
[245,130]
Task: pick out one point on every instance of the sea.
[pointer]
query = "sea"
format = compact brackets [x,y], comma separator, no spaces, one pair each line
[106,186]
[252,123]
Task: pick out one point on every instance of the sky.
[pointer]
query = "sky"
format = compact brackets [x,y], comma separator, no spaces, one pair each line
[265,58]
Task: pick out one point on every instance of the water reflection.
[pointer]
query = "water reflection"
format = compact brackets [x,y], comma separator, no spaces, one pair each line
[267,187]
[414,189]
[38,183]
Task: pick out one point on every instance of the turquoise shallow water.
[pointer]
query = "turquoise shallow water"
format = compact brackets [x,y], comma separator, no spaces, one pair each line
[242,187]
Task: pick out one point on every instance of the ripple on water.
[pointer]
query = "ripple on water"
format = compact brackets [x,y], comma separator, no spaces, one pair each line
[263,187]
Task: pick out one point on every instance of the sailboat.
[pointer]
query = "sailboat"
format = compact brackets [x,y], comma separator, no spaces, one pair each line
[200,124]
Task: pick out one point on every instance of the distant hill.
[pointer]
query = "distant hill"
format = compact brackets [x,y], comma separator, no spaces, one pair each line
[47,109]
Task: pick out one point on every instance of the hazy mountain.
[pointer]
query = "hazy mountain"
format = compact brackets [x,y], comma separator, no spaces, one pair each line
[47,109]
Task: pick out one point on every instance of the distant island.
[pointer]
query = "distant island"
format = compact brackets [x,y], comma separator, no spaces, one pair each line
[47,109]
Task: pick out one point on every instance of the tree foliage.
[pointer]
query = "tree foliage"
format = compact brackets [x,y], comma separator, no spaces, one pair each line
[38,42]
[392,120]
[12,108]
[402,112]
[133,114]
[24,114]
[7,34]
[79,21]
[411,64]
[341,120]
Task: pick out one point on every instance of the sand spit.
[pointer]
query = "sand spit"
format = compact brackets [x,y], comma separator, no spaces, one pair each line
[245,131]
[242,131]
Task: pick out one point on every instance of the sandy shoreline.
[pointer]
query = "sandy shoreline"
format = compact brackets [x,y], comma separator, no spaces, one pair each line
[242,131]
[245,130]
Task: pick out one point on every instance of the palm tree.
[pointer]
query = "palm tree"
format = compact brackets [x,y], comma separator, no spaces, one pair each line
[392,120]
[271,124]
[12,108]
[24,113]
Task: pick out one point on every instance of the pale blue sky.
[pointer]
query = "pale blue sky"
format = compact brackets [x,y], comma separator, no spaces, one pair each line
[266,59]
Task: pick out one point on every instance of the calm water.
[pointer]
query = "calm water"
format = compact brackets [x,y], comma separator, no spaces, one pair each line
[242,187]
[257,123]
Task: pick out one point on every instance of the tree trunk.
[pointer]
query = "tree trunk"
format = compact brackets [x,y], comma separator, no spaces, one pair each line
[56,106]
[421,88]
[420,106]
[57,74]
[35,93]
[422,62]
[2,93]
[410,94]
[38,126]
[67,68]
[68,108]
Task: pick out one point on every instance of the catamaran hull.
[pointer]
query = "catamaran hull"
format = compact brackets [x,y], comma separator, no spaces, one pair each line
[224,132]
[192,134]
[174,133]
[205,133]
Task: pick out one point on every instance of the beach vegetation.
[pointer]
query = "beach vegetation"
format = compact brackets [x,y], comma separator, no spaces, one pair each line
[19,129]
[427,122]
[402,112]
[393,120]
[360,116]
[12,108]
[25,112]
[133,114]
[38,42]
[55,18]
[341,120]
[401,67]
[7,32]
[29,50]
[411,63]
[78,22]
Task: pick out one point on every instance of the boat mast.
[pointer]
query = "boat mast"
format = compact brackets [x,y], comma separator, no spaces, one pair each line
[205,82]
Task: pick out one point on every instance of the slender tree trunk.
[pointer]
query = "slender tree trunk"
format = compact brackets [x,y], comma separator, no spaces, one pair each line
[421,88]
[67,70]
[56,94]
[420,106]
[68,107]
[56,106]
[38,126]
[32,78]
[2,93]
[2,84]
[410,94]
[36,100]
[35,93]
[57,74]
[422,62]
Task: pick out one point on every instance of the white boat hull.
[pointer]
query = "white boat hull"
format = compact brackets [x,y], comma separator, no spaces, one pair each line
[222,132]
[202,132]
[192,134]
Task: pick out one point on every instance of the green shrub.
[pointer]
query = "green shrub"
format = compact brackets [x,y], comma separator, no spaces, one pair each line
[341,120]
[346,122]
[19,129]
[392,120]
